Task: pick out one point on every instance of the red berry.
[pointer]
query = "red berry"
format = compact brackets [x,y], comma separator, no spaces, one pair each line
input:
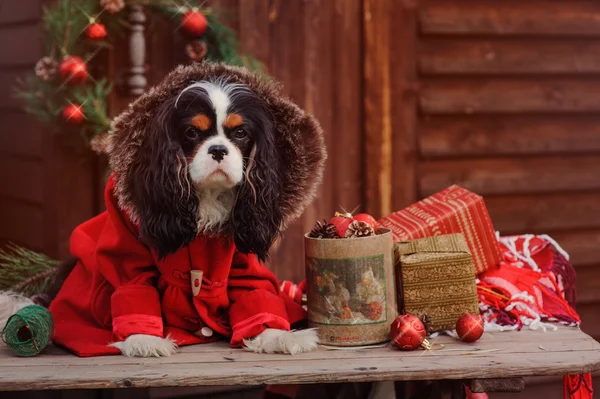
[73,114]
[469,327]
[96,31]
[194,23]
[341,224]
[365,217]
[73,69]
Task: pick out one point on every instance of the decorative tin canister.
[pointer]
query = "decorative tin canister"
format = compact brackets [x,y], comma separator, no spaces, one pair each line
[351,288]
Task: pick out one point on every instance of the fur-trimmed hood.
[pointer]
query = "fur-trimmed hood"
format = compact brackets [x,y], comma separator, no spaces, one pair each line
[298,136]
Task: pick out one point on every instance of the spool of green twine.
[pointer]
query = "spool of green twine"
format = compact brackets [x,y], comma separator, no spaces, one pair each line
[28,331]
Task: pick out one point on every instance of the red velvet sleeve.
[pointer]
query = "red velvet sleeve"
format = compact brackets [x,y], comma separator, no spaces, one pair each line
[256,304]
[128,265]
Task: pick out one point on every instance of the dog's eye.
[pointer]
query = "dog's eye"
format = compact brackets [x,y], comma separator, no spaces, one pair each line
[191,133]
[240,134]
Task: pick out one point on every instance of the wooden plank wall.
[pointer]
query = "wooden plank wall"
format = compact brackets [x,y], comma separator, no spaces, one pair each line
[314,47]
[501,98]
[509,109]
[46,188]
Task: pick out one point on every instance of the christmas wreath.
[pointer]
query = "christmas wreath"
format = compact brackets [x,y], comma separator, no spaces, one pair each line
[62,92]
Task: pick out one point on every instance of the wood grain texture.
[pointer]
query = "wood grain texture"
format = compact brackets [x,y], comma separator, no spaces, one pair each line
[22,223]
[509,95]
[377,106]
[20,11]
[544,212]
[20,45]
[403,109]
[512,17]
[587,285]
[345,148]
[566,351]
[475,56]
[581,245]
[21,179]
[20,134]
[489,135]
[489,176]
[287,64]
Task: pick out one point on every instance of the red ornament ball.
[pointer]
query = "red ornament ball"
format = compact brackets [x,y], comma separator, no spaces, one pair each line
[469,327]
[73,114]
[407,332]
[365,217]
[96,31]
[341,223]
[73,70]
[194,23]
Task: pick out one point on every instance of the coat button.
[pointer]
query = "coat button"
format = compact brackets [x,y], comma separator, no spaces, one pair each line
[206,331]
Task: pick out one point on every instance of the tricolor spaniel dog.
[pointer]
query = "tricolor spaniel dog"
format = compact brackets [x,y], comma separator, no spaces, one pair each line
[208,168]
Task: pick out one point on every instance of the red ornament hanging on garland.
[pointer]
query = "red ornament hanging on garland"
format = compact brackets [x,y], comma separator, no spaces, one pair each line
[408,332]
[73,114]
[469,327]
[194,23]
[96,32]
[73,70]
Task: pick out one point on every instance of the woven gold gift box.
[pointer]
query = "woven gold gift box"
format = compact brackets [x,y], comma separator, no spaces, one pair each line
[436,280]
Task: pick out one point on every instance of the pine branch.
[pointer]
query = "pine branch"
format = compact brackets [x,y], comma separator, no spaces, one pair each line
[25,271]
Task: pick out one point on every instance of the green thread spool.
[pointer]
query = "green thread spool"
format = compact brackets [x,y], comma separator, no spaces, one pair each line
[29,331]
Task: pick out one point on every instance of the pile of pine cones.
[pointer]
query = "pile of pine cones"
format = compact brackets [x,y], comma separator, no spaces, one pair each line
[344,225]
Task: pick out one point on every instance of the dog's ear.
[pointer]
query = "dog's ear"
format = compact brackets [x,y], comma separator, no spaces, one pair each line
[161,190]
[258,217]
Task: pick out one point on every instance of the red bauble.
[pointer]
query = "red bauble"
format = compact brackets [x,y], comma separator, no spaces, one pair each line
[341,222]
[469,327]
[407,332]
[365,217]
[194,23]
[73,114]
[73,70]
[96,31]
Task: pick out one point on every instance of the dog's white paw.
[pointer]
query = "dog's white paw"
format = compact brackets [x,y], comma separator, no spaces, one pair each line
[279,341]
[142,345]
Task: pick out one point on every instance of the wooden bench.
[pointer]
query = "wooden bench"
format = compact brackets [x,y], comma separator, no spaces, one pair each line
[498,361]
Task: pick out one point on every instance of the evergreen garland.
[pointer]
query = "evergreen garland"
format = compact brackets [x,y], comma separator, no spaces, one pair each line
[25,271]
[64,25]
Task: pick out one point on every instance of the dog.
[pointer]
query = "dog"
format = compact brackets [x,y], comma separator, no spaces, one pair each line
[208,168]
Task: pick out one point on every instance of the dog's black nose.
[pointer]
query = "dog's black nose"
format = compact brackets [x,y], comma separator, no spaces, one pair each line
[218,152]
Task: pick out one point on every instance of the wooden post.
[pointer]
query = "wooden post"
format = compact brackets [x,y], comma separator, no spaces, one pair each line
[136,80]
[390,74]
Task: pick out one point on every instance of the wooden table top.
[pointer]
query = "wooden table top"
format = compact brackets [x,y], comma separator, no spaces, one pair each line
[495,355]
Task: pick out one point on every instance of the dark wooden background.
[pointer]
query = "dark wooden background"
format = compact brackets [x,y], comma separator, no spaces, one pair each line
[499,96]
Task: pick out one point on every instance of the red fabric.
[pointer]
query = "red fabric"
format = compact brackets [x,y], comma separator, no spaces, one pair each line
[531,265]
[120,288]
[578,386]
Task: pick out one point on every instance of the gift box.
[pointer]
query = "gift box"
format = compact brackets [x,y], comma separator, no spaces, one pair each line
[436,280]
[454,210]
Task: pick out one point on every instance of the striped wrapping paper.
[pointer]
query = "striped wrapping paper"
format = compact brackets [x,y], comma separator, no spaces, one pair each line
[453,210]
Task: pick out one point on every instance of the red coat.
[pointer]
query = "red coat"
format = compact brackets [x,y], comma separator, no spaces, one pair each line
[120,288]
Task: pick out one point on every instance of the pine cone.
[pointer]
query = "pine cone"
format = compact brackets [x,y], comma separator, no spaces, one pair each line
[323,230]
[359,229]
[112,6]
[196,50]
[45,68]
